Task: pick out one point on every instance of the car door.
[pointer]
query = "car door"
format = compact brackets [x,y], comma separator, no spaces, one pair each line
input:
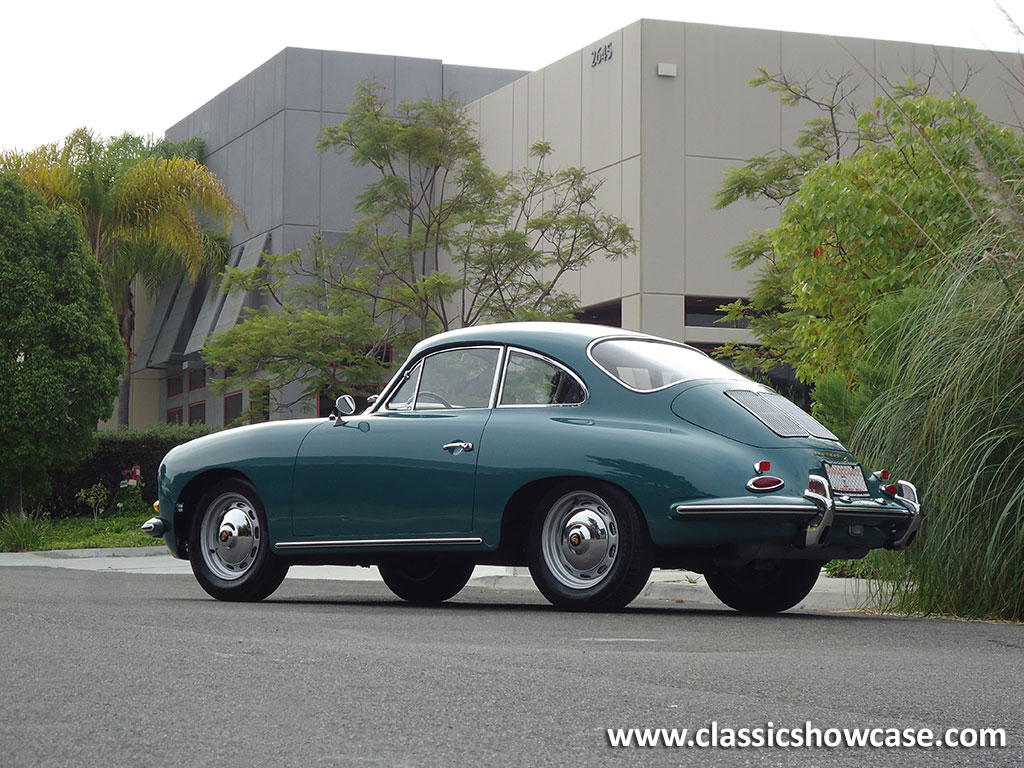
[409,469]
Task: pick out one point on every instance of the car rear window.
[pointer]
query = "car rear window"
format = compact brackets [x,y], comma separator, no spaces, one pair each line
[647,365]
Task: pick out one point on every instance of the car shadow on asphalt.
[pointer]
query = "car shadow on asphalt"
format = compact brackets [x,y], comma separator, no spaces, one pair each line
[506,606]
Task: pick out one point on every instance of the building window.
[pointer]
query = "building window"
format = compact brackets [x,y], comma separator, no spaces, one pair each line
[175,385]
[704,312]
[196,379]
[232,408]
[197,413]
[324,404]
[603,314]
[174,416]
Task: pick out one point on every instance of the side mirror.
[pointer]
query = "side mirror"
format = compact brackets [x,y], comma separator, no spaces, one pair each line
[346,405]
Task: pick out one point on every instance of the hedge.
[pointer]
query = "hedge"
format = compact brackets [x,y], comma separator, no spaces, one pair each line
[118,450]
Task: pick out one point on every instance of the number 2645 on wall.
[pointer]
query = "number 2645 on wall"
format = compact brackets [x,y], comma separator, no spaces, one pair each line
[601,55]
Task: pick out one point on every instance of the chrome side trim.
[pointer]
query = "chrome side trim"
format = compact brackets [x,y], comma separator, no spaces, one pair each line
[865,511]
[779,509]
[860,511]
[469,541]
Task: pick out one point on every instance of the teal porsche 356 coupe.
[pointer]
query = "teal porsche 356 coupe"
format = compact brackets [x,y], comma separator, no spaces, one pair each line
[590,454]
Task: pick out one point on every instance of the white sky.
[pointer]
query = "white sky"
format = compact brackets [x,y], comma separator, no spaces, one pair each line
[140,66]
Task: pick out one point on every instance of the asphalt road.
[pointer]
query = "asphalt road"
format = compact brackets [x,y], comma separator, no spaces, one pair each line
[102,669]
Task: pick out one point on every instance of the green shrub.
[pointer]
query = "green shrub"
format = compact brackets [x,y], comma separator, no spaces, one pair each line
[95,497]
[877,565]
[117,451]
[21,534]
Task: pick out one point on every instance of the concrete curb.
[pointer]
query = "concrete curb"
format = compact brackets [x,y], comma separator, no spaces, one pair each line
[77,554]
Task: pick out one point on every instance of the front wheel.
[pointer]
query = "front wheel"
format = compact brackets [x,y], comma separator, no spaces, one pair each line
[589,547]
[764,586]
[229,548]
[426,579]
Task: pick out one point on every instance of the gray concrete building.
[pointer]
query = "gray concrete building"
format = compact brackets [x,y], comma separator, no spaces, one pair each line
[260,137]
[658,109]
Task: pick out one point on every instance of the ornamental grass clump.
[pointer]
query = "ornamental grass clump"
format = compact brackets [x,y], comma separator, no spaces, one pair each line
[21,533]
[953,422]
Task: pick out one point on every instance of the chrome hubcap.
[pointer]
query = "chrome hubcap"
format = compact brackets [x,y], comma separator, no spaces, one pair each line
[231,536]
[580,540]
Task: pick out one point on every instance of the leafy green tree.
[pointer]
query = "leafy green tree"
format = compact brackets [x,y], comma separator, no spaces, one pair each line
[140,203]
[442,242]
[856,228]
[511,238]
[309,329]
[61,352]
[540,226]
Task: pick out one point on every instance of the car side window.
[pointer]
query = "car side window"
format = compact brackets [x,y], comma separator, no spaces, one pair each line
[532,380]
[457,378]
[402,399]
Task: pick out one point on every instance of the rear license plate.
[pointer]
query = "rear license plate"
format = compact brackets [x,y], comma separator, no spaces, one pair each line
[845,478]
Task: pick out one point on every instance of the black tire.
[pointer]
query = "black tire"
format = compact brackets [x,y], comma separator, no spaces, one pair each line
[229,545]
[764,586]
[589,548]
[426,579]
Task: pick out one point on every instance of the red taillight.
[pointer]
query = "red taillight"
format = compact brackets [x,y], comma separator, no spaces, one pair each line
[884,474]
[764,484]
[762,466]
[892,490]
[817,487]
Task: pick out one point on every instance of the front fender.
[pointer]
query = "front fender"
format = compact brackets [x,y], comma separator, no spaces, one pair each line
[262,454]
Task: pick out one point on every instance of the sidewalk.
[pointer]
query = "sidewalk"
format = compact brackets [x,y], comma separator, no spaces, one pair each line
[674,586]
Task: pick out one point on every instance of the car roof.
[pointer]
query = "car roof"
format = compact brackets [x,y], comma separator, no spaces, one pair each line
[534,335]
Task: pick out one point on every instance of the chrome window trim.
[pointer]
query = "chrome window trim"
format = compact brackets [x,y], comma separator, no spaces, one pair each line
[621,383]
[421,361]
[550,360]
[460,541]
[499,379]
[415,391]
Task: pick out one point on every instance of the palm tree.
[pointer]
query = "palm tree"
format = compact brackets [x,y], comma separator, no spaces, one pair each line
[140,202]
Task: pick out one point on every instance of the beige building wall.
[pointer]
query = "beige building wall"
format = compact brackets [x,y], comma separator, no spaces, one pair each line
[665,115]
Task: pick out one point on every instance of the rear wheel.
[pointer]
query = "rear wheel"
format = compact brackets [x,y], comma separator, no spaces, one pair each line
[426,579]
[229,548]
[589,547]
[764,586]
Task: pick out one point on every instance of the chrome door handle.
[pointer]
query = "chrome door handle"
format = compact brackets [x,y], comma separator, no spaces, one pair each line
[457,447]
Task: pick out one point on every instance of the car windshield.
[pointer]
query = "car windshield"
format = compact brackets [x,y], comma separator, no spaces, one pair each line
[647,365]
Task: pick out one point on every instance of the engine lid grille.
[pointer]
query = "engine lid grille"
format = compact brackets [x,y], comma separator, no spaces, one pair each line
[781,416]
